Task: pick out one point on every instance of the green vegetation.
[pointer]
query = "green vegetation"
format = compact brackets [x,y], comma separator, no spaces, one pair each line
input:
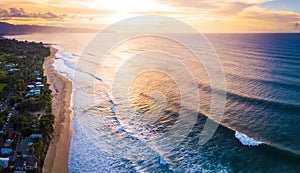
[23,83]
[3,117]
[3,91]
[46,124]
[23,123]
[2,86]
[37,147]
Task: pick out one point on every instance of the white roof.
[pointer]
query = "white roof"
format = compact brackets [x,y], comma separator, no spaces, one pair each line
[4,162]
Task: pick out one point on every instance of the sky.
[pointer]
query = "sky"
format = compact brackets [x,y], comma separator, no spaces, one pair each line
[233,16]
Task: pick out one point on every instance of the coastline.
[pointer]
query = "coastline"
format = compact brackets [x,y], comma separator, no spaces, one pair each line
[56,160]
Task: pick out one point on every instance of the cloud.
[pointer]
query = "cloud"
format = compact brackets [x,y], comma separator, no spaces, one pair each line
[221,15]
[21,13]
[213,6]
[270,16]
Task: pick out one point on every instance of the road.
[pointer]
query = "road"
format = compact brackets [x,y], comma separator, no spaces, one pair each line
[4,105]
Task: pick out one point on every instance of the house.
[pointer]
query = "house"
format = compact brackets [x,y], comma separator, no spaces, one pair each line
[24,163]
[32,136]
[10,65]
[35,91]
[27,95]
[23,147]
[40,86]
[4,162]
[30,86]
[22,56]
[38,79]
[6,151]
[36,72]
[13,70]
[23,159]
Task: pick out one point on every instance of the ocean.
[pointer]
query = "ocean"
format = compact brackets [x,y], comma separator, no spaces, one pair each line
[119,112]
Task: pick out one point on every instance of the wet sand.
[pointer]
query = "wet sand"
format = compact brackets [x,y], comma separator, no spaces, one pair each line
[56,160]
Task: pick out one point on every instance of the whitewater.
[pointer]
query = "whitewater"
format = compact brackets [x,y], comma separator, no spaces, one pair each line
[262,75]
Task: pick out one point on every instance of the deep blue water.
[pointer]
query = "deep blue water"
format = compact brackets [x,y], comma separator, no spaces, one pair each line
[262,106]
[263,102]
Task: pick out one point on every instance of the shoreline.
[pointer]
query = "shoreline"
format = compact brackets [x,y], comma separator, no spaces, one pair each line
[56,160]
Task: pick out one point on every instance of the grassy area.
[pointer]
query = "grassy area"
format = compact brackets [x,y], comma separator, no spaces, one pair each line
[2,86]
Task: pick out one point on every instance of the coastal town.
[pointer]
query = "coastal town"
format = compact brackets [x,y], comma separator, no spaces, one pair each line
[26,119]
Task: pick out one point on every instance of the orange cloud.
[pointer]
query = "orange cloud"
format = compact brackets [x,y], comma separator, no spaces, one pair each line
[21,13]
[270,15]
[208,15]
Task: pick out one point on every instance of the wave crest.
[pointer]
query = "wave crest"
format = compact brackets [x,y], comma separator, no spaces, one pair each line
[245,140]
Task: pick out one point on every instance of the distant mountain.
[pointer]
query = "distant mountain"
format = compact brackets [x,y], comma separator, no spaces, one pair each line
[10,29]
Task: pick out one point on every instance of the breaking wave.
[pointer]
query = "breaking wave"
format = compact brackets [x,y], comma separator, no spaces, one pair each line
[246,140]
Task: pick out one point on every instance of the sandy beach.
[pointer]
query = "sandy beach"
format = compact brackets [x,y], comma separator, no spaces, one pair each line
[56,160]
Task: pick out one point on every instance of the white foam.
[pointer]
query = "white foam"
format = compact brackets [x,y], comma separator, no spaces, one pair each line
[245,140]
[64,65]
[162,161]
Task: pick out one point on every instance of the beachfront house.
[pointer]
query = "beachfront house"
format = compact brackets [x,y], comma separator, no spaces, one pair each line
[35,91]
[40,86]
